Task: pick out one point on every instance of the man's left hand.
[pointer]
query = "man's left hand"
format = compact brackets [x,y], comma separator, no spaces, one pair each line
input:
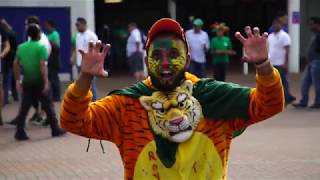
[255,45]
[45,90]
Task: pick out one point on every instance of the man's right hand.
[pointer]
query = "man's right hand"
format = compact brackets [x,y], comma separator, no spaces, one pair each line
[92,64]
[93,60]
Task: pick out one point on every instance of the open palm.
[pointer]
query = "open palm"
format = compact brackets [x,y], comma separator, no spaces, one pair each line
[255,46]
[93,61]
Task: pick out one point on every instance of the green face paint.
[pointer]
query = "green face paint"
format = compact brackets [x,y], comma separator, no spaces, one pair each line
[163,44]
[166,59]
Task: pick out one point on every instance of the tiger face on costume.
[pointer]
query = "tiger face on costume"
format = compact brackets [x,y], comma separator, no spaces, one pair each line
[173,115]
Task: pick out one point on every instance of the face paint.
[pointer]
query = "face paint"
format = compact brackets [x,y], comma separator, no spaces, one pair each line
[167,60]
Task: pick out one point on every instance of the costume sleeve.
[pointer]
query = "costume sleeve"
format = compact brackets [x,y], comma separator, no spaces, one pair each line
[266,100]
[99,120]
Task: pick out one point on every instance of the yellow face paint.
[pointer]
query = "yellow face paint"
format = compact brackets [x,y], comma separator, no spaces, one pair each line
[166,55]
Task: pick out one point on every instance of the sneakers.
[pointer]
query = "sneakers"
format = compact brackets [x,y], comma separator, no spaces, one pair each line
[291,100]
[13,122]
[58,132]
[45,122]
[37,122]
[315,106]
[21,135]
[299,105]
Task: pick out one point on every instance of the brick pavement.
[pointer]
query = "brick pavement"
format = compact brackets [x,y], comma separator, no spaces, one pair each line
[284,147]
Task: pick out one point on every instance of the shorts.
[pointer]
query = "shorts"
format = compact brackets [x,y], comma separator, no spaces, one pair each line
[135,62]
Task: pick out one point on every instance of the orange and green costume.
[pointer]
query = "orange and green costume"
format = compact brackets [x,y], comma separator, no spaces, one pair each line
[120,118]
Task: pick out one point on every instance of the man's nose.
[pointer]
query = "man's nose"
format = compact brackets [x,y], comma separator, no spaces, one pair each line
[165,62]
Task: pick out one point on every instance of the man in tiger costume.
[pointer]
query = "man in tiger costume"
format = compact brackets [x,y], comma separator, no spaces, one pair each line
[173,125]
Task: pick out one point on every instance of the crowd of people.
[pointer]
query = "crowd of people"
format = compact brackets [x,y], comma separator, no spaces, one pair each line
[220,49]
[41,79]
[34,64]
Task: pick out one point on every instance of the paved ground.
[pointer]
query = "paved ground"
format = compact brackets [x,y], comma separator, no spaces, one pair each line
[284,147]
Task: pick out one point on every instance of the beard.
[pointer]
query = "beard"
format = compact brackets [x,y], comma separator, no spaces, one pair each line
[167,86]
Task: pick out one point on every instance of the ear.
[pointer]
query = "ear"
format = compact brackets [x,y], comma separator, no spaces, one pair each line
[146,61]
[146,102]
[187,84]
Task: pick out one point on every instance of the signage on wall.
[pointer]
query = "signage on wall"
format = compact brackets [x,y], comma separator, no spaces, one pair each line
[295,17]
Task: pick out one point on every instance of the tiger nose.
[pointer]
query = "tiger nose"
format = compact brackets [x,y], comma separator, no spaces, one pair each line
[176,122]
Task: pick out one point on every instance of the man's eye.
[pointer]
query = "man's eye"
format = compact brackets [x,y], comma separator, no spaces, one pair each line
[156,55]
[173,54]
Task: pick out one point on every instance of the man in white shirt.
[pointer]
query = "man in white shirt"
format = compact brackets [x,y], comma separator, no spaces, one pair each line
[198,41]
[83,37]
[279,44]
[135,51]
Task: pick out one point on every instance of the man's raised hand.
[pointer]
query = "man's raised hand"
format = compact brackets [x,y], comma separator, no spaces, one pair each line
[255,45]
[93,61]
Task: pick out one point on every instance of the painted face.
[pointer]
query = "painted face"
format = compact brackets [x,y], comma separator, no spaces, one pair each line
[167,60]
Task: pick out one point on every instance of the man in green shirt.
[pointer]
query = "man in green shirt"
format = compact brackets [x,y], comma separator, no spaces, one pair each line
[220,48]
[54,60]
[32,57]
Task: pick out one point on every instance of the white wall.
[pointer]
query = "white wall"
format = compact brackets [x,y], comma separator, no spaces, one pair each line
[78,8]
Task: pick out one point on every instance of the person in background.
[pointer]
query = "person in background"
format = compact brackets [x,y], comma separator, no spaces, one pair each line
[311,74]
[283,18]
[73,58]
[279,44]
[54,60]
[38,118]
[135,51]
[198,41]
[221,49]
[83,37]
[4,50]
[8,78]
[106,38]
[32,57]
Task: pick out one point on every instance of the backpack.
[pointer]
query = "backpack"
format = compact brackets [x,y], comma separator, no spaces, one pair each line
[143,39]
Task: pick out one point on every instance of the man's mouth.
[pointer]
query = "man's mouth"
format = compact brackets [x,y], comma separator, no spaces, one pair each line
[166,75]
[187,129]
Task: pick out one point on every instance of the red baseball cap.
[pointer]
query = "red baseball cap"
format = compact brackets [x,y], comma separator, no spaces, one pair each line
[165,25]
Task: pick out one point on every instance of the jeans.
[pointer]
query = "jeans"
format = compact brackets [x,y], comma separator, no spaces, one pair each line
[311,75]
[9,83]
[54,85]
[285,84]
[94,89]
[30,95]
[197,69]
[219,71]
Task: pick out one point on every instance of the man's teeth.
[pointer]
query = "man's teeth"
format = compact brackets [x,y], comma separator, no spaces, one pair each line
[166,72]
